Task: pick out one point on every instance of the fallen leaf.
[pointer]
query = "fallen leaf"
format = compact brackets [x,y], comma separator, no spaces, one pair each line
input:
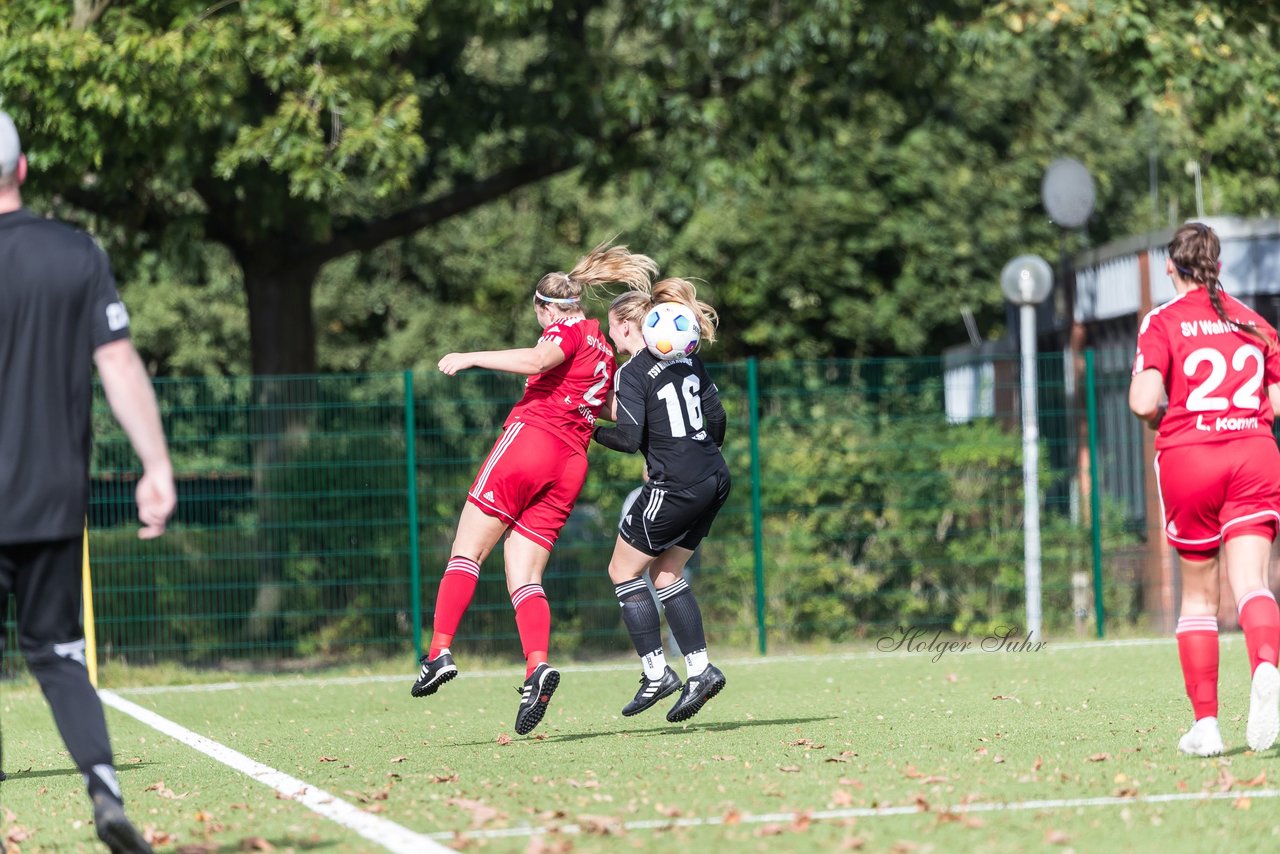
[603,825]
[396,759]
[1056,837]
[481,813]
[841,798]
[836,759]
[801,822]
[849,781]
[156,837]
[853,843]
[770,830]
[732,817]
[1099,757]
[504,739]
[256,843]
[724,758]
[444,778]
[16,834]
[1260,780]
[789,769]
[1038,764]
[1242,803]
[197,848]
[669,812]
[328,759]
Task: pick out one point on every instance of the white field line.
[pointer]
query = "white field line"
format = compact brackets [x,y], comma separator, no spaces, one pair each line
[874,812]
[508,672]
[386,833]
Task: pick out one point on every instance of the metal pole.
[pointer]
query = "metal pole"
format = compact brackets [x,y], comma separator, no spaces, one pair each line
[757,514]
[1030,466]
[411,496]
[1095,490]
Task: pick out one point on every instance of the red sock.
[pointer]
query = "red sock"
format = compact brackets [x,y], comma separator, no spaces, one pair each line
[1260,621]
[533,620]
[456,589]
[1198,652]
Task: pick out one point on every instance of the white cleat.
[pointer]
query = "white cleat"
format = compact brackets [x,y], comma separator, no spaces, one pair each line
[1264,707]
[1203,739]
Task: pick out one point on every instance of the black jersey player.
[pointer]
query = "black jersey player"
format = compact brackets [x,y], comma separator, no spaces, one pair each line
[671,412]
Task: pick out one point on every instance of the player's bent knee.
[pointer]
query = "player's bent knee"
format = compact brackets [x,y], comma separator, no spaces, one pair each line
[54,656]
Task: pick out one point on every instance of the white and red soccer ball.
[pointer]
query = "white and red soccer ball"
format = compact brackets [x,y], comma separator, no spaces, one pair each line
[671,331]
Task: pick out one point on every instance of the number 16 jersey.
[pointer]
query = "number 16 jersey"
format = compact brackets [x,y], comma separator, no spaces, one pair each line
[1215,373]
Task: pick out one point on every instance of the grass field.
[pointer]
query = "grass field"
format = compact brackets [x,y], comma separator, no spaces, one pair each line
[1068,748]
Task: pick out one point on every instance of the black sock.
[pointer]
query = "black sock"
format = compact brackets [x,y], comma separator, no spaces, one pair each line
[684,616]
[640,615]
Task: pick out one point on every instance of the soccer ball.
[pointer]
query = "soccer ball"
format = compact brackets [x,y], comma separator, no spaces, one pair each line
[671,331]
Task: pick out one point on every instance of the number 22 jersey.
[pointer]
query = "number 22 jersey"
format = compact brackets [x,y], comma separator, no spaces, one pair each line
[565,400]
[1215,373]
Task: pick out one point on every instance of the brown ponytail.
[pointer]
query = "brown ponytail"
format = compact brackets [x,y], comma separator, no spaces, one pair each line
[1194,252]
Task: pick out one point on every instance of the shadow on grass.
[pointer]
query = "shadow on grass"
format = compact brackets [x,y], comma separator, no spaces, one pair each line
[665,729]
[28,774]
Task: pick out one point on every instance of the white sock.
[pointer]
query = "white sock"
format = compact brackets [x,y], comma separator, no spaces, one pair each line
[695,663]
[655,664]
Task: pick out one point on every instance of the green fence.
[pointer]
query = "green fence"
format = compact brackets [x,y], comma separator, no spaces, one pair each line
[316,513]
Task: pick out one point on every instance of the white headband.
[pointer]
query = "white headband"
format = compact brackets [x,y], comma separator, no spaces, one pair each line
[556,300]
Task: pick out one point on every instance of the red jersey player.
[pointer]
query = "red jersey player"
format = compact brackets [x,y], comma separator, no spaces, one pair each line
[529,482]
[1207,378]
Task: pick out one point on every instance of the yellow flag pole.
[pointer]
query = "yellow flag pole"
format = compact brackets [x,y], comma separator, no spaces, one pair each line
[90,635]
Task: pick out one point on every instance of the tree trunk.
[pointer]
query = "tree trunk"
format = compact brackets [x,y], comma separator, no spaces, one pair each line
[282,339]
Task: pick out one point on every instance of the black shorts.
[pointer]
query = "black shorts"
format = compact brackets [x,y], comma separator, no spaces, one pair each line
[661,517]
[45,579]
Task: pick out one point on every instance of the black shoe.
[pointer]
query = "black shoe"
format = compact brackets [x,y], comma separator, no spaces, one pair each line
[535,696]
[434,674]
[651,691]
[115,829]
[697,690]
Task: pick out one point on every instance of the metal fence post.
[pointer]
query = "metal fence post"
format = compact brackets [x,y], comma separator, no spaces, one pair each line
[1095,488]
[757,516]
[411,488]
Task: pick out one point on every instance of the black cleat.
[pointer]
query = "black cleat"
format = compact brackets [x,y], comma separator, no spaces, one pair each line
[535,696]
[115,829]
[434,674]
[697,690]
[651,691]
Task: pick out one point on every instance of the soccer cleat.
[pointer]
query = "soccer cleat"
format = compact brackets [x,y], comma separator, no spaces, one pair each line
[651,691]
[1264,707]
[435,673]
[115,829]
[697,690]
[535,696]
[1203,739]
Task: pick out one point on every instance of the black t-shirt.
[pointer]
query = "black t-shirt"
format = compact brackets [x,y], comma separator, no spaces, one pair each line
[670,411]
[58,303]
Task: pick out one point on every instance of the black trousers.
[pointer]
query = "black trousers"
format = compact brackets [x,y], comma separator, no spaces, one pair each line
[45,579]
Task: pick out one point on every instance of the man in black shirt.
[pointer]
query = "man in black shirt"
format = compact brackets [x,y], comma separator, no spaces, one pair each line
[59,311]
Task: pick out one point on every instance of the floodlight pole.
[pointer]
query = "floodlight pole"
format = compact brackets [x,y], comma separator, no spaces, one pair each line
[1026,281]
[1030,467]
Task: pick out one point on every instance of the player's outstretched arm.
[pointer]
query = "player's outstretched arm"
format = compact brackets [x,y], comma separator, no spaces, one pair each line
[521,360]
[133,402]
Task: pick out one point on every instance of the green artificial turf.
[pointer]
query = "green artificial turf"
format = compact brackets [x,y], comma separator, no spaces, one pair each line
[790,757]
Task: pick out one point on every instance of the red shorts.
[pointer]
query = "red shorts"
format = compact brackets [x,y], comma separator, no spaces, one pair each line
[530,479]
[1212,492]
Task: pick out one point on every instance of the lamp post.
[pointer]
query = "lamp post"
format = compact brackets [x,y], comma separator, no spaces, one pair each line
[1026,282]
